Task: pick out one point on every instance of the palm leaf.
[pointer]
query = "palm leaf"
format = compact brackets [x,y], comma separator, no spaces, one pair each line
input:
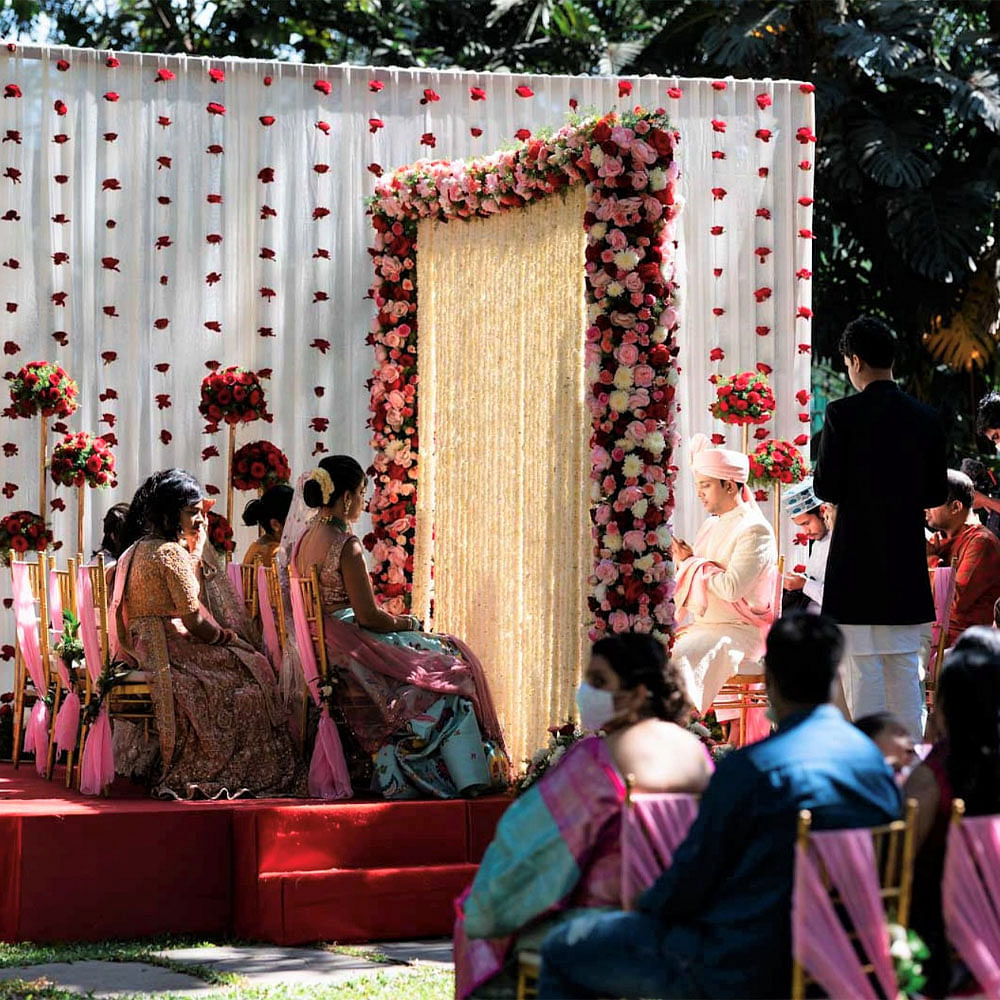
[969,338]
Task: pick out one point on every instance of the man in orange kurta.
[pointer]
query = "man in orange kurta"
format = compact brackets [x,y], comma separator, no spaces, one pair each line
[958,533]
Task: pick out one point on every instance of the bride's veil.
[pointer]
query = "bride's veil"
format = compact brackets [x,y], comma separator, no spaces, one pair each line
[300,518]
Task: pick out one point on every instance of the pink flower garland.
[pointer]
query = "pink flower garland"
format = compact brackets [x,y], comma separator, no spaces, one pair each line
[627,163]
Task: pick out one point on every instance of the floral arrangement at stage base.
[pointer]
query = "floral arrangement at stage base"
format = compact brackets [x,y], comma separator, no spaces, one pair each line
[259,465]
[23,531]
[233,396]
[82,460]
[220,534]
[42,389]
[626,161]
[776,463]
[561,738]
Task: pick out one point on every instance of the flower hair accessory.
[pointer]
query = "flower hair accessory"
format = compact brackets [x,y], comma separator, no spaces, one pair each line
[322,477]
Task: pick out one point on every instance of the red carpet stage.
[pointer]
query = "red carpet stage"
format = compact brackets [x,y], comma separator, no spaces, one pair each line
[279,870]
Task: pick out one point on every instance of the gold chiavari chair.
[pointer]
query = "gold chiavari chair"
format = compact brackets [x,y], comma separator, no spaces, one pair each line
[894,848]
[25,692]
[313,607]
[99,593]
[248,576]
[65,582]
[277,605]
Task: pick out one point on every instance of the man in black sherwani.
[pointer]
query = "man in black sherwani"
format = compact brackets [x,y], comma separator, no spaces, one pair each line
[882,462]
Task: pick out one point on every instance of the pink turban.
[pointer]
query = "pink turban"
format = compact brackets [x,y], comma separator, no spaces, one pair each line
[717,463]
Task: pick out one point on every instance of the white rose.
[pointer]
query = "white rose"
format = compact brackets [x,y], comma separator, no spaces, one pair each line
[618,401]
[659,335]
[623,377]
[599,230]
[613,542]
[663,537]
[660,493]
[639,507]
[600,592]
[645,563]
[655,442]
[632,467]
[596,155]
[626,444]
[657,179]
[626,260]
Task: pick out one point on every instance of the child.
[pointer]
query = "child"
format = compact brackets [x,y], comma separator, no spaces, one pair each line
[893,739]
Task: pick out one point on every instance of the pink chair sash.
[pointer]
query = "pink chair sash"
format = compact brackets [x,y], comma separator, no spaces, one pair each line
[68,717]
[970,897]
[234,572]
[328,774]
[268,626]
[819,941]
[653,827]
[36,736]
[944,594]
[97,764]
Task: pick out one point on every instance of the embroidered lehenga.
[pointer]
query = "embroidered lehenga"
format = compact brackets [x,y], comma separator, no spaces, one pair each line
[416,703]
[220,726]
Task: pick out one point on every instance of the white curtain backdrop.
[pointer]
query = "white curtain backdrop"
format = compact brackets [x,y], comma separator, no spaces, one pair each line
[175,246]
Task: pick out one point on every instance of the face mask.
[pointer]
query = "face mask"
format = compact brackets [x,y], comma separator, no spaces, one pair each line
[596,706]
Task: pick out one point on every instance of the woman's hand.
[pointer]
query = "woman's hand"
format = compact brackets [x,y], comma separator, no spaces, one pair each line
[680,550]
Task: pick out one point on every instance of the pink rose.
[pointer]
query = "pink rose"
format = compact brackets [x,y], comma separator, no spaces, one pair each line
[618,620]
[635,541]
[603,514]
[606,571]
[643,375]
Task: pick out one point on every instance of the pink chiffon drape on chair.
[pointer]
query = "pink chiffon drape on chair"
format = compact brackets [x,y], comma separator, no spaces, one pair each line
[970,897]
[819,941]
[653,827]
[97,765]
[268,626]
[68,718]
[328,774]
[36,735]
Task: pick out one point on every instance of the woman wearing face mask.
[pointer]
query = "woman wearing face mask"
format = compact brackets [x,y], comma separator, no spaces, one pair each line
[557,848]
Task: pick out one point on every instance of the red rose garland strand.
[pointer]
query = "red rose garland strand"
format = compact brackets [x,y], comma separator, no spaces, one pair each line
[627,163]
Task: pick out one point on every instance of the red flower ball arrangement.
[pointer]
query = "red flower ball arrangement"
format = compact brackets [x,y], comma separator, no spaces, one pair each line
[233,395]
[22,532]
[220,533]
[82,459]
[260,465]
[745,398]
[42,388]
[777,461]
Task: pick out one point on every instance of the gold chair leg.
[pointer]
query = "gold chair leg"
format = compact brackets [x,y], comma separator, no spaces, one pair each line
[50,757]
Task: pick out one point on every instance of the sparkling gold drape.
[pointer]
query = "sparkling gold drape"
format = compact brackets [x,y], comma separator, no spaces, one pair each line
[504,444]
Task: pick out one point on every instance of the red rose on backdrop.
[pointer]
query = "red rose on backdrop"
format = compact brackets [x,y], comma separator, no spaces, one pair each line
[233,395]
[23,531]
[82,459]
[260,465]
[41,387]
[220,533]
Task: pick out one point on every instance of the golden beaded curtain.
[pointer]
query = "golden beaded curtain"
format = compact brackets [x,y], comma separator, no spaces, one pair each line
[504,453]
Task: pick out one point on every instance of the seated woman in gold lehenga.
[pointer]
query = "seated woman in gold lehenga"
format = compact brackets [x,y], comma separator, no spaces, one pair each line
[219,722]
[416,703]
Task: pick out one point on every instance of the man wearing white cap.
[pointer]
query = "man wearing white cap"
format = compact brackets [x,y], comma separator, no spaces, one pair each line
[806,513]
[726,582]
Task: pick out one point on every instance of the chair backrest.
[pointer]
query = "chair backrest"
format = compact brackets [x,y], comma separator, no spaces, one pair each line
[970,895]
[273,594]
[653,827]
[864,877]
[37,574]
[248,575]
[307,604]
[98,579]
[62,593]
[943,579]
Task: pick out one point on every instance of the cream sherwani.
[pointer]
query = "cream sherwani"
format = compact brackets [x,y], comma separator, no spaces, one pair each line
[717,633]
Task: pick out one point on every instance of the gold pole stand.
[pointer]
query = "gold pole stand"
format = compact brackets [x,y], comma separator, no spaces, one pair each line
[42,463]
[229,478]
[81,507]
[776,499]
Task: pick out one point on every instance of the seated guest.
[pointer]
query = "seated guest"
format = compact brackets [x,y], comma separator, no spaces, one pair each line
[892,738]
[220,727]
[964,763]
[113,525]
[410,699]
[572,857]
[958,534]
[717,923]
[725,583]
[984,483]
[268,513]
[804,592]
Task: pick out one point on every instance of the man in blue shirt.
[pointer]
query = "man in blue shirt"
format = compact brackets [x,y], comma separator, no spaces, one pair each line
[717,923]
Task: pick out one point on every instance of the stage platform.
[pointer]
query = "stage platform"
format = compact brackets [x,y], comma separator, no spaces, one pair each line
[287,871]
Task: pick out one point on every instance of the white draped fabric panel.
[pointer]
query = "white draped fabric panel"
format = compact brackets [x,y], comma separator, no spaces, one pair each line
[285,286]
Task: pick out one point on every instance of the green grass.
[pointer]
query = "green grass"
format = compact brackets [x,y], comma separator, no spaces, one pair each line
[418,982]
[113,951]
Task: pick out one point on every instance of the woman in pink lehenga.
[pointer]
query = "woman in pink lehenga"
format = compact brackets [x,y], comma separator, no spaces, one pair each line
[220,726]
[416,702]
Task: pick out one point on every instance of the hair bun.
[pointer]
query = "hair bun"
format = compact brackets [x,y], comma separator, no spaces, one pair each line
[252,512]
